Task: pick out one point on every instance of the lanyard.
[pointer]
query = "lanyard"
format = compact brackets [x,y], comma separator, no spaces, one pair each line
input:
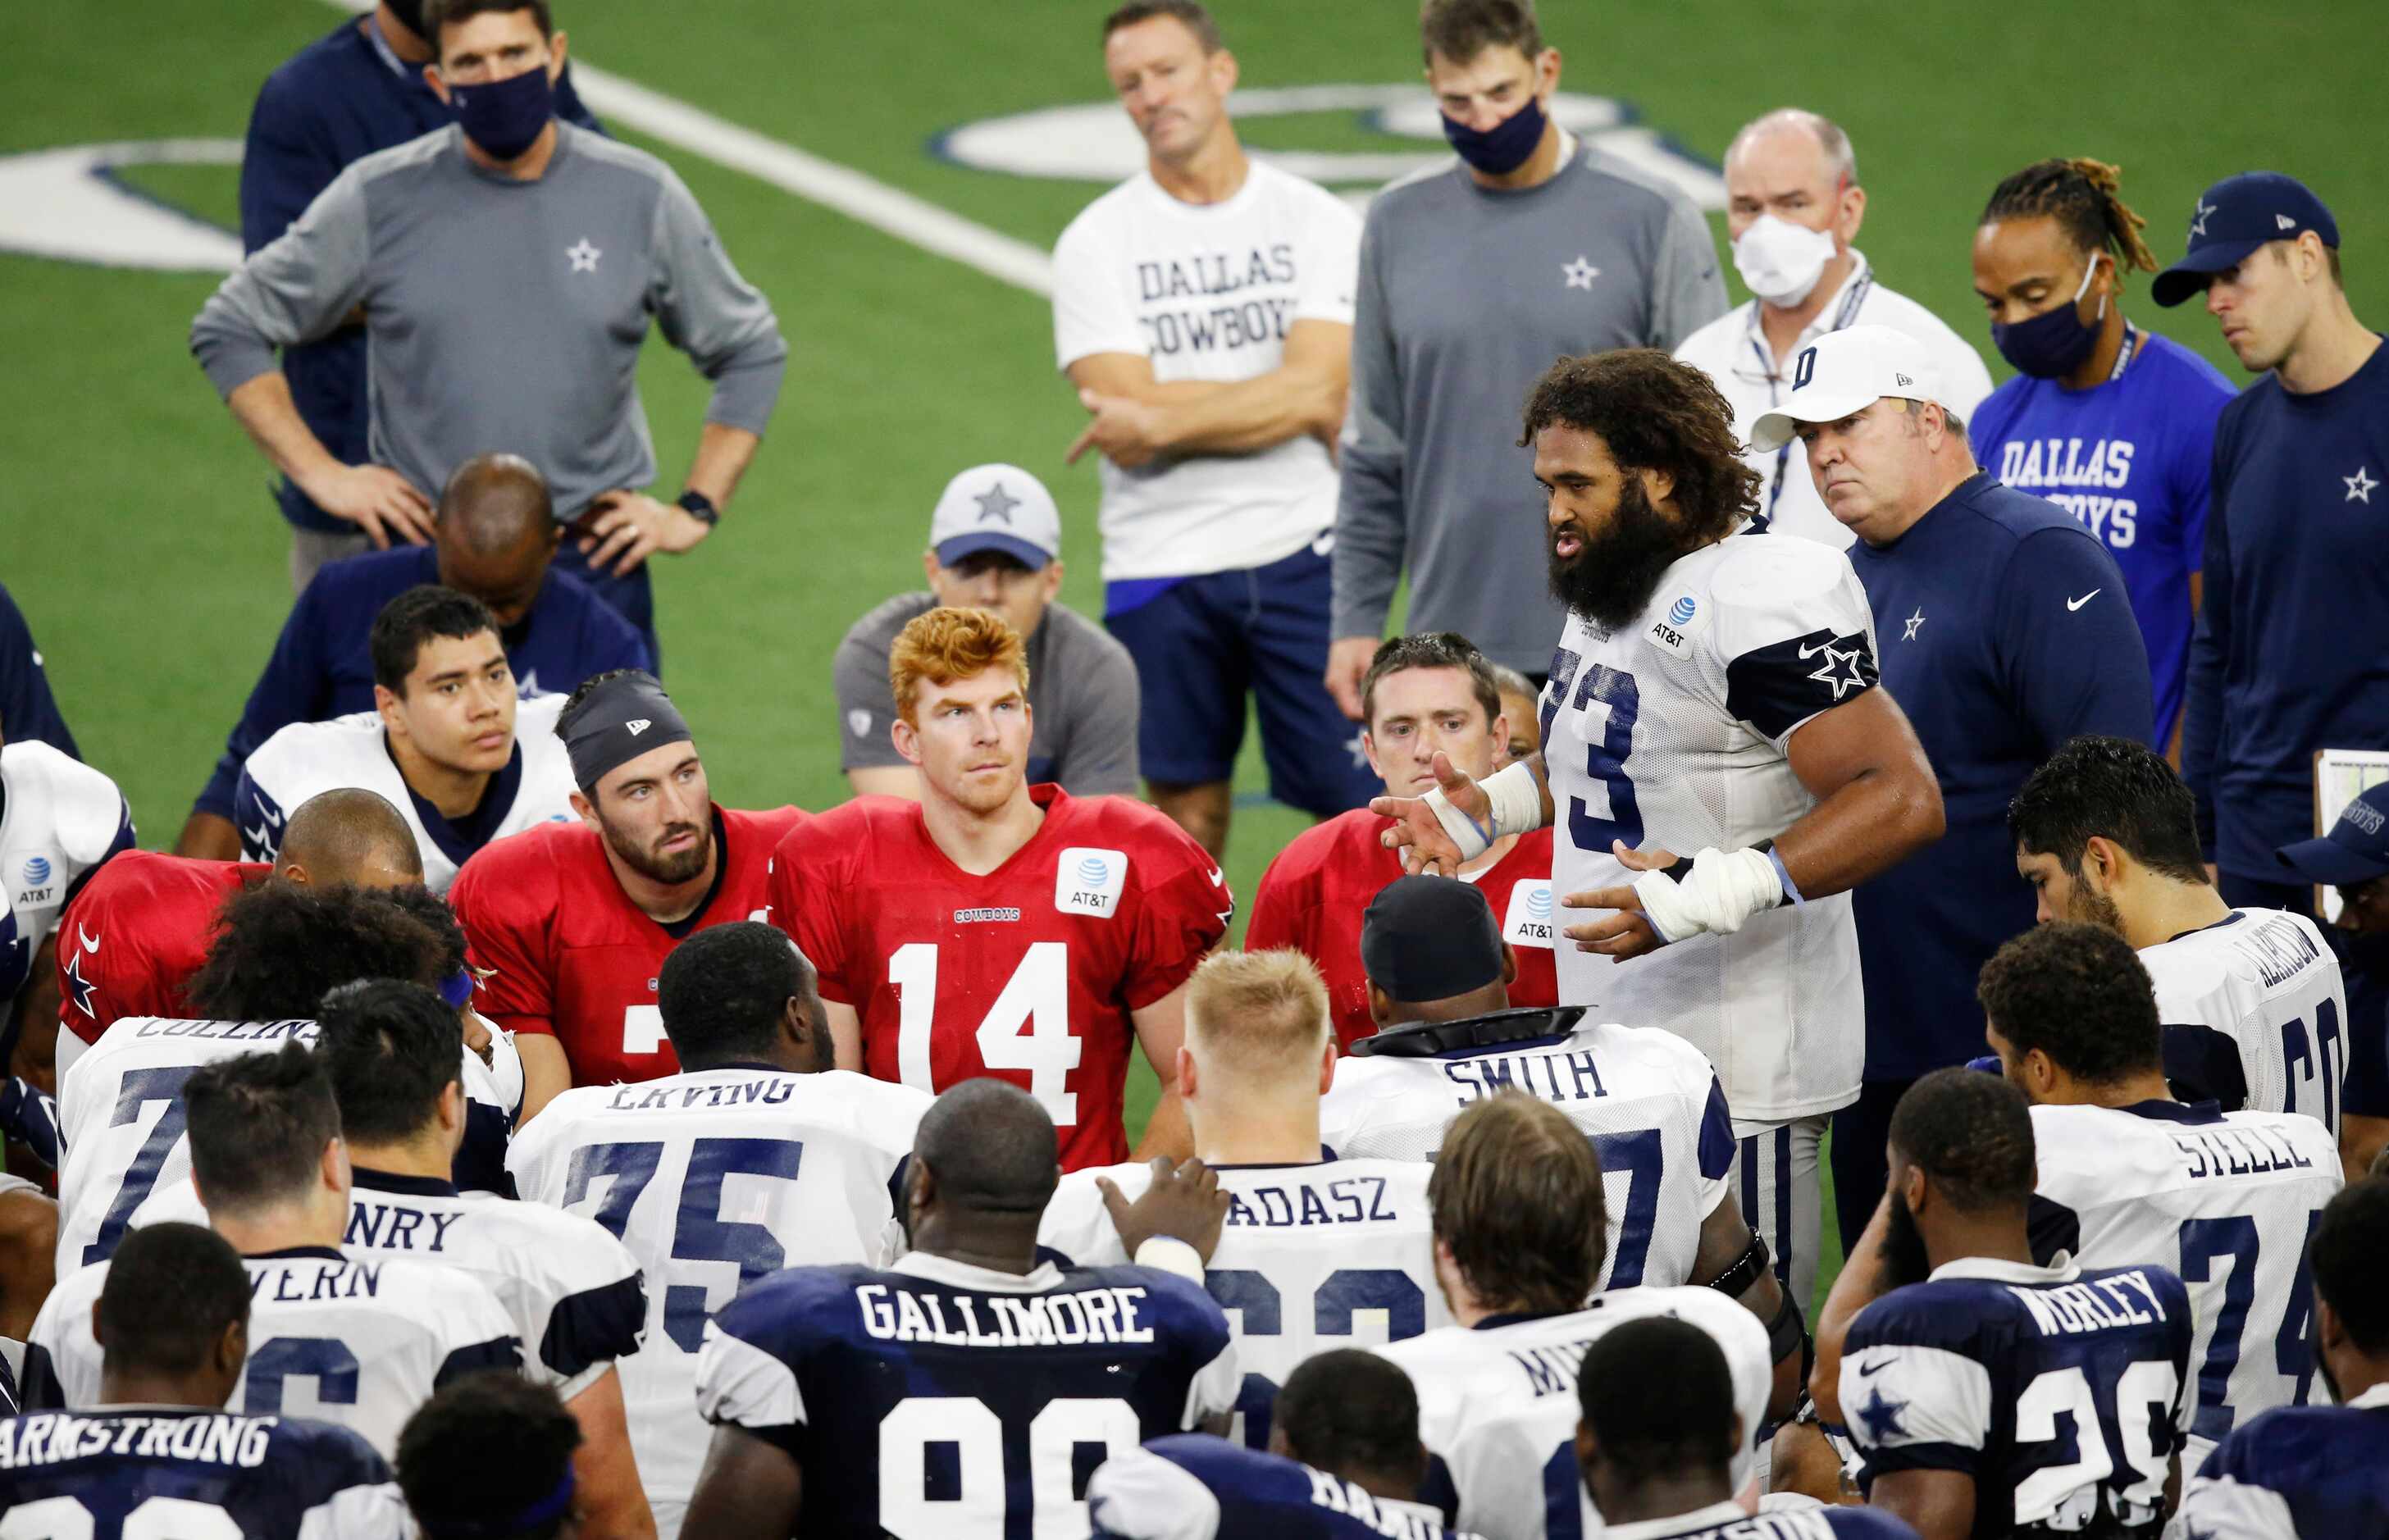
[1848,312]
[2124,353]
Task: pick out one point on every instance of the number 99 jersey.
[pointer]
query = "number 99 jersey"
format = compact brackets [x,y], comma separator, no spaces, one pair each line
[1029,974]
[1673,733]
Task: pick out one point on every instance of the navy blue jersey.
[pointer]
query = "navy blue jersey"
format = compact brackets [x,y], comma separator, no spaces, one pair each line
[934,1397]
[322,665]
[2059,1390]
[2004,630]
[2297,1471]
[339,99]
[27,708]
[2129,458]
[2292,653]
[1726,1521]
[1192,1486]
[149,1472]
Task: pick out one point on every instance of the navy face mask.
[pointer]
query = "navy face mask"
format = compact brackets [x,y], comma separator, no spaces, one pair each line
[1499,151]
[2054,342]
[506,117]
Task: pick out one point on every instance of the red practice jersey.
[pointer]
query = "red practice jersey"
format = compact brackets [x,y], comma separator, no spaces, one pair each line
[1312,897]
[137,932]
[565,952]
[1028,973]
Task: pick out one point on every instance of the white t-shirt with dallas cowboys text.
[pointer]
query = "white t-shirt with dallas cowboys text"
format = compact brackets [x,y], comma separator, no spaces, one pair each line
[1208,292]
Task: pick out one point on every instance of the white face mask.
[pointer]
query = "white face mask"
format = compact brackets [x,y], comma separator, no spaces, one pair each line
[1781,261]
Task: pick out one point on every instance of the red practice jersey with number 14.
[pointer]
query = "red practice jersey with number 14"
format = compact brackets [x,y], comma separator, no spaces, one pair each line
[1029,974]
[564,951]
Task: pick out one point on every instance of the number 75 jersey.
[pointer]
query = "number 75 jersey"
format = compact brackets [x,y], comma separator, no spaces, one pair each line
[1673,732]
[1029,974]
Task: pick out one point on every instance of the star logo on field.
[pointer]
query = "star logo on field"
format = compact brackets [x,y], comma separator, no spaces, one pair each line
[1832,673]
[1881,1416]
[995,502]
[584,255]
[2360,485]
[2198,218]
[1580,273]
[1912,622]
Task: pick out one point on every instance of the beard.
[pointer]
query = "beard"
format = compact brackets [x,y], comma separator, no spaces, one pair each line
[1905,1259]
[651,862]
[2093,907]
[1610,578]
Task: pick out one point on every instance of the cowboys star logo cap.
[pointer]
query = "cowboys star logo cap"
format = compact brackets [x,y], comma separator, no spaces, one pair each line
[2356,849]
[1844,372]
[2233,218]
[996,507]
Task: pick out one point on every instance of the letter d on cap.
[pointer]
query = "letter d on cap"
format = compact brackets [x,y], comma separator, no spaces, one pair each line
[1805,369]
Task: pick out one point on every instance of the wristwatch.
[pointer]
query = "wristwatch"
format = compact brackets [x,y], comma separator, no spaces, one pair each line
[700,508]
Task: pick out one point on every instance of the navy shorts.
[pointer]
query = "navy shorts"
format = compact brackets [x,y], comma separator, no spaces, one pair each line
[1202,644]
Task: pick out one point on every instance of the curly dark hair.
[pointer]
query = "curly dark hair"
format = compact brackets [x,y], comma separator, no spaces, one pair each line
[2119,789]
[2079,994]
[1654,413]
[487,1456]
[1970,1132]
[283,946]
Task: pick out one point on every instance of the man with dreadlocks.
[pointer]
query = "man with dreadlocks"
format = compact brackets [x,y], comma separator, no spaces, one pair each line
[2113,424]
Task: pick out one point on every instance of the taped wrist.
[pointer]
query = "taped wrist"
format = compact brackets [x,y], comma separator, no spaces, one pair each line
[1516,802]
[1722,889]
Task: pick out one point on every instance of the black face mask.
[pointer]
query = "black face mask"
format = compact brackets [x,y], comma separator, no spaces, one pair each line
[1905,1259]
[1610,579]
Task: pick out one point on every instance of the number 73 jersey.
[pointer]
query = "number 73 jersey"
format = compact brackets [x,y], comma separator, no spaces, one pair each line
[1029,974]
[1673,733]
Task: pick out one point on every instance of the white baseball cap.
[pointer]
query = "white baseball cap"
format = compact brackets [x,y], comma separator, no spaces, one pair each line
[996,507]
[1844,372]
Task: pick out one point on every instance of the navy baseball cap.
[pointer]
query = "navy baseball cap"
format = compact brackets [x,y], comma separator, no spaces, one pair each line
[2233,218]
[2356,849]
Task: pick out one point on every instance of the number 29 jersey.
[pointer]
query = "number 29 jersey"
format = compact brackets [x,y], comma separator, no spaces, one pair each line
[1673,732]
[1029,974]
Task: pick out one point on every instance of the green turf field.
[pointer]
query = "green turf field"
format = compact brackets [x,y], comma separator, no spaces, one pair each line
[141,544]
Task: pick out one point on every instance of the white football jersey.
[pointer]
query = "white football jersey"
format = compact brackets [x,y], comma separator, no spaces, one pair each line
[360,1340]
[2227,1199]
[306,759]
[58,819]
[1498,1403]
[1208,292]
[711,1178]
[1341,1254]
[1672,733]
[2267,981]
[1647,1100]
[121,1117]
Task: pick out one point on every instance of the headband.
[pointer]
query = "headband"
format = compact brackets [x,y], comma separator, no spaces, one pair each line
[618,721]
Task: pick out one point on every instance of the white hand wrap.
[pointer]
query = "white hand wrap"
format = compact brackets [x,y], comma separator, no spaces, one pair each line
[1517,800]
[1723,890]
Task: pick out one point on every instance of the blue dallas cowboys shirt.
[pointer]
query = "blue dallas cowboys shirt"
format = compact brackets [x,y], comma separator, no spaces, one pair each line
[940,1398]
[2129,458]
[2292,653]
[2297,1472]
[1192,1486]
[336,100]
[2059,1391]
[2004,631]
[321,664]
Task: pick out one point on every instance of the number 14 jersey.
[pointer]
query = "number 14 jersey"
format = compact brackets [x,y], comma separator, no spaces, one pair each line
[1674,732]
[1029,974]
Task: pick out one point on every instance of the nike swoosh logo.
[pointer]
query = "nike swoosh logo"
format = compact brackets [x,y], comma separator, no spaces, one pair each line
[2072,604]
[89,945]
[1868,1371]
[1811,652]
[1215,876]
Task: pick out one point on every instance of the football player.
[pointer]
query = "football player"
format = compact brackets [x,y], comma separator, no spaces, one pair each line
[1316,1248]
[1718,767]
[1519,1232]
[1646,1099]
[1423,696]
[2252,1003]
[60,819]
[491,1457]
[448,744]
[957,1391]
[1990,1395]
[367,1338]
[1657,1438]
[2127,1173]
[995,927]
[2317,1469]
[156,1454]
[753,1156]
[1344,1462]
[142,924]
[570,923]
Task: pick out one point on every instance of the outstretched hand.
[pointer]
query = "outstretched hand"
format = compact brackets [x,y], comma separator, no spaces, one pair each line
[1184,1202]
[1628,932]
[1426,846]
